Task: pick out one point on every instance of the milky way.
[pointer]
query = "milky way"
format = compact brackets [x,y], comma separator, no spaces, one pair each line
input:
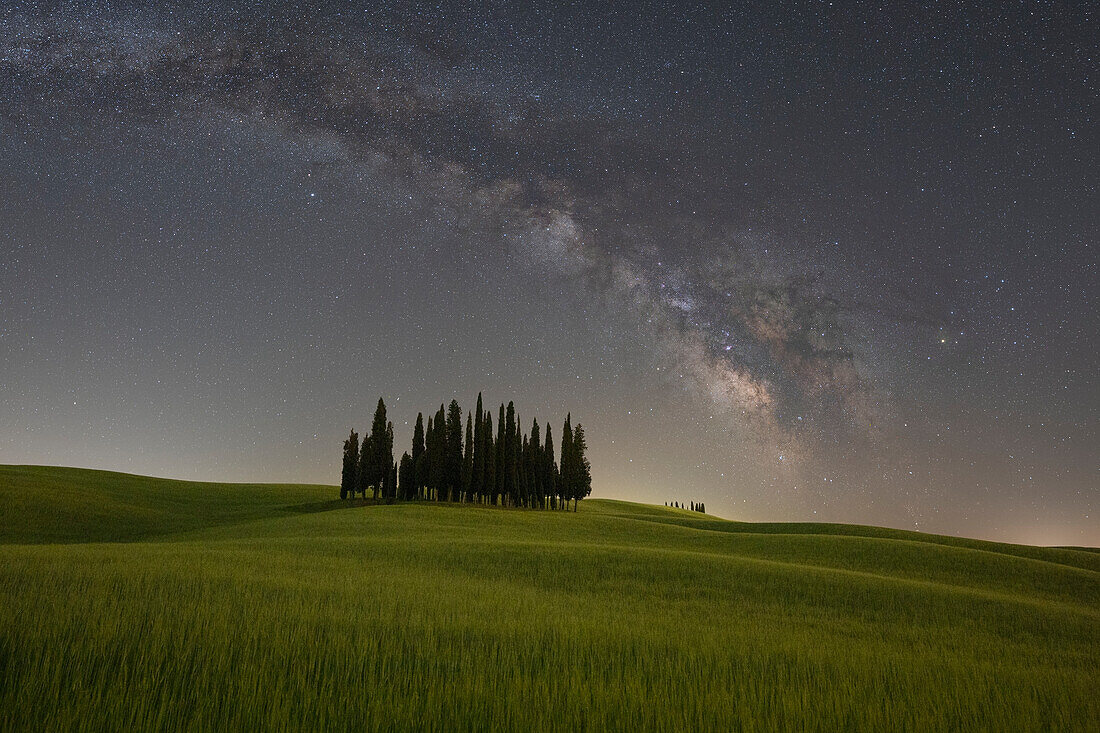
[852,269]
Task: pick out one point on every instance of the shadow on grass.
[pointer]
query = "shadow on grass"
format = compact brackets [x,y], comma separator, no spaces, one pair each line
[313,507]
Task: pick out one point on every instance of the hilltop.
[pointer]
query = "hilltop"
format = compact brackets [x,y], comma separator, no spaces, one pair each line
[151,603]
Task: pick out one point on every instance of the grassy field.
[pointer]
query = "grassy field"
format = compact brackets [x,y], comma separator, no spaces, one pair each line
[135,603]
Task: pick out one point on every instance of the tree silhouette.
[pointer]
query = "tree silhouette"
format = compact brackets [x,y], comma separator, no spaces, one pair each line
[582,469]
[385,458]
[550,468]
[501,467]
[389,483]
[453,465]
[523,486]
[468,460]
[366,457]
[488,487]
[450,462]
[437,449]
[419,467]
[511,475]
[533,463]
[406,478]
[428,459]
[477,461]
[349,474]
[565,485]
[377,454]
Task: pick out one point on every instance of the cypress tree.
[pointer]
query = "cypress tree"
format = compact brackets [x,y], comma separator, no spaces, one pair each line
[550,466]
[501,463]
[477,477]
[406,478]
[521,479]
[428,459]
[439,458]
[534,465]
[518,495]
[366,466]
[454,451]
[349,473]
[523,488]
[565,487]
[381,450]
[386,458]
[417,478]
[389,483]
[576,471]
[582,469]
[468,459]
[423,469]
[511,477]
[489,486]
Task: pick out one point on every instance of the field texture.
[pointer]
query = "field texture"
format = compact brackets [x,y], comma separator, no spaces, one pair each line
[130,603]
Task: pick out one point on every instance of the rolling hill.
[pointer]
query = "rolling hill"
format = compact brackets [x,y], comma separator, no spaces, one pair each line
[129,602]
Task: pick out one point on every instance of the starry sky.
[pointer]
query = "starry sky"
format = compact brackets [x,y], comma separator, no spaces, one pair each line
[803,262]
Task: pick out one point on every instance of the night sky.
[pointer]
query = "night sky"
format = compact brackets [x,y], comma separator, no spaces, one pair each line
[801,262]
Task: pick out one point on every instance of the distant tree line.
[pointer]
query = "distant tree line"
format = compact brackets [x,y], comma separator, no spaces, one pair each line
[476,465]
[695,506]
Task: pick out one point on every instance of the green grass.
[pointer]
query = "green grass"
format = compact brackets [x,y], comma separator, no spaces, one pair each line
[52,504]
[137,603]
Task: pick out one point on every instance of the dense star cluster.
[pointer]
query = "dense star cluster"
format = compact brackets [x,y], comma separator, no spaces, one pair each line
[814,262]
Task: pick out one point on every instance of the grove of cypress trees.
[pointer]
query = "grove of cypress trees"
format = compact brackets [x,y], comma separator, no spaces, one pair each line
[449,463]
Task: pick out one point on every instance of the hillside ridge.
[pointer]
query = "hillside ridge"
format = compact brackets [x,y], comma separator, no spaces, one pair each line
[62,504]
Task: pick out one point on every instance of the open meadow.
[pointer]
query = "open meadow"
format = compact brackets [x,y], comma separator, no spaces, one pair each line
[137,603]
